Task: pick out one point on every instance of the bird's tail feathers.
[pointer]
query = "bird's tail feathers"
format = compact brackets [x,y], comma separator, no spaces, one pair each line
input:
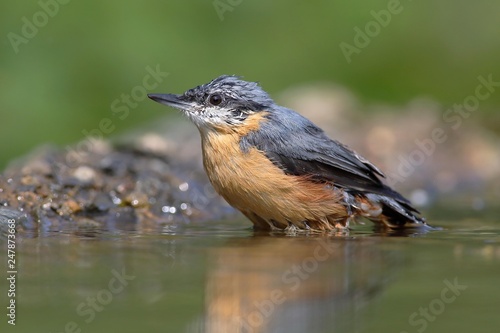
[389,210]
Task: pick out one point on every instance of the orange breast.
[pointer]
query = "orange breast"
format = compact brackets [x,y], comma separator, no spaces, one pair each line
[251,183]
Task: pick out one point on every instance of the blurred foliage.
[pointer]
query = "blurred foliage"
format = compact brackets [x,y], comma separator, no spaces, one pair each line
[65,78]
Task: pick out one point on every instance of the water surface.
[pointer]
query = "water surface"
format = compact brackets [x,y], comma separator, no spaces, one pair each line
[223,277]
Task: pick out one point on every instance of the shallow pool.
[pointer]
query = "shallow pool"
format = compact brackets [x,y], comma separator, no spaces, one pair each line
[223,277]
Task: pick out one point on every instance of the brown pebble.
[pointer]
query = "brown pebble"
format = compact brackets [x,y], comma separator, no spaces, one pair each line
[69,207]
[29,181]
[87,224]
[137,199]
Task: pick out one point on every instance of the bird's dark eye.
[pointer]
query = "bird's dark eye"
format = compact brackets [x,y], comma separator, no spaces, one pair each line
[215,99]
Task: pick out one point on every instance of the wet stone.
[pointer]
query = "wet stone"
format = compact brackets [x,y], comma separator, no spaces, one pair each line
[84,174]
[109,188]
[137,199]
[7,216]
[102,202]
[86,224]
[69,207]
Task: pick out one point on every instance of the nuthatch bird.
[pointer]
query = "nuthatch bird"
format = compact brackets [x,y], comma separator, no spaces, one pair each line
[278,168]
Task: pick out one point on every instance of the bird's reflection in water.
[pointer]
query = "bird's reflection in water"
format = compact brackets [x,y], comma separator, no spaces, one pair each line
[271,284]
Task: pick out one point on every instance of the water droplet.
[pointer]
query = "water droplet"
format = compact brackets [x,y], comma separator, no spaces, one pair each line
[116,200]
[184,187]
[169,209]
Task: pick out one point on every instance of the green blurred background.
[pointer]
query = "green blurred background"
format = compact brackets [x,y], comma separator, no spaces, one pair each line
[64,79]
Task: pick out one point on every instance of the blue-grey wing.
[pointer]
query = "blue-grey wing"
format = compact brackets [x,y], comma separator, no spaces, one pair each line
[301,148]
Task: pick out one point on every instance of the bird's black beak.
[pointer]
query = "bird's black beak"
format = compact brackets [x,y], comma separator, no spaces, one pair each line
[170,100]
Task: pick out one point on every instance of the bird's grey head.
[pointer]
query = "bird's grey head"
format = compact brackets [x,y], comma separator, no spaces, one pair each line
[224,101]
